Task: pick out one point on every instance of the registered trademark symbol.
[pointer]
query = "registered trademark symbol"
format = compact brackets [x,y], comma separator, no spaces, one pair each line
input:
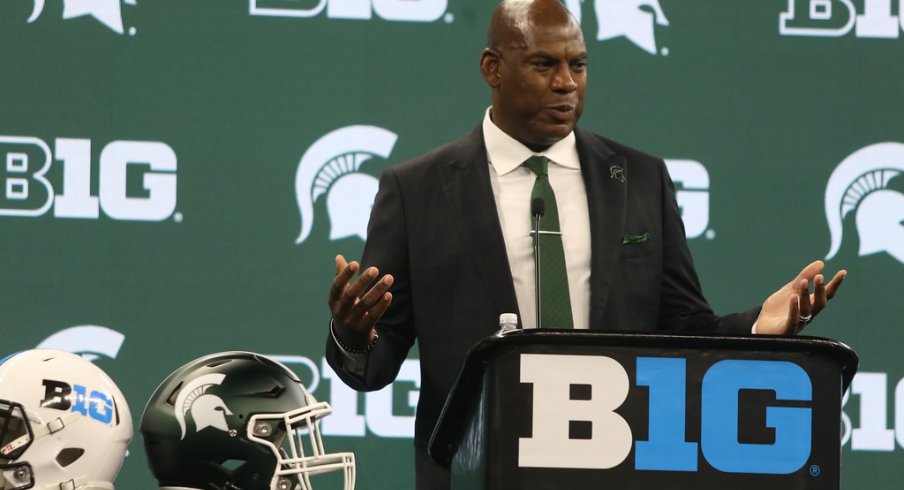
[710,234]
[177,217]
[449,17]
[133,31]
[815,470]
[664,51]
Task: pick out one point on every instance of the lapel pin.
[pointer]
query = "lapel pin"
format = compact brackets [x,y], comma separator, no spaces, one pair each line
[617,173]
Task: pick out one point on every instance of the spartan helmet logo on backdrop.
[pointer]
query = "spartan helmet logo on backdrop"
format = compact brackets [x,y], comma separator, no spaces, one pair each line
[330,167]
[861,183]
[107,12]
[206,410]
[89,341]
[634,19]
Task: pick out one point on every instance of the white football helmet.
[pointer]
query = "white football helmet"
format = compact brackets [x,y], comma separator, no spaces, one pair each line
[64,424]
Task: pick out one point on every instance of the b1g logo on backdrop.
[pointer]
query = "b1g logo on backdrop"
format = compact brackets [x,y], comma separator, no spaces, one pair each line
[391,10]
[836,18]
[107,12]
[876,399]
[331,168]
[636,20]
[861,184]
[692,181]
[136,179]
[586,391]
[387,413]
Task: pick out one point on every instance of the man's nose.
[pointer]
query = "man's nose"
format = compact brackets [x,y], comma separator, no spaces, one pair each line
[564,80]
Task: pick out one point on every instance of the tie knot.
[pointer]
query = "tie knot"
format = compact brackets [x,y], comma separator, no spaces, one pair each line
[538,165]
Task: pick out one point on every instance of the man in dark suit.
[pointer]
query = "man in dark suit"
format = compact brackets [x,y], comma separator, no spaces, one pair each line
[450,232]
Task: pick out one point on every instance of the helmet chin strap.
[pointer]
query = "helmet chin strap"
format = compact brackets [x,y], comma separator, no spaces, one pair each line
[50,427]
[76,484]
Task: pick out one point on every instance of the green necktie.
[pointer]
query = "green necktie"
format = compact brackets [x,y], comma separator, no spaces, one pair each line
[555,306]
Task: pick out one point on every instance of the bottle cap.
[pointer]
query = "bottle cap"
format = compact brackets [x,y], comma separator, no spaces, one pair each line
[508,319]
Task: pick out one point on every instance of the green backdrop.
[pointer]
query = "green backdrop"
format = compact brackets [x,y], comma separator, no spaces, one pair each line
[163,176]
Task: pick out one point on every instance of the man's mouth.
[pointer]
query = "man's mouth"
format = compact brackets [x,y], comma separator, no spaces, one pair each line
[561,112]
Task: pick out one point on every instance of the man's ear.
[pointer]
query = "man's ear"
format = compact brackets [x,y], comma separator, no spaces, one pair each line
[490,66]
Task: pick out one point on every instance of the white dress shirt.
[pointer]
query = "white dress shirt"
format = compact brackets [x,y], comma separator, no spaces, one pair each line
[512,184]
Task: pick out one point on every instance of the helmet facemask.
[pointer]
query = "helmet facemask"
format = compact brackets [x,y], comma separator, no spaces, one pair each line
[294,438]
[15,438]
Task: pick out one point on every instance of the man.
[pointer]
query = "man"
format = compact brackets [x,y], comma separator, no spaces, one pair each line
[450,231]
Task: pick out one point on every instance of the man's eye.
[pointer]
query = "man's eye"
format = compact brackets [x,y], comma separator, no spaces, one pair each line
[579,66]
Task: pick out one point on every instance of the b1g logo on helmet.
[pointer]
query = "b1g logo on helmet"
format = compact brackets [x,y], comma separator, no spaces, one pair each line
[206,410]
[836,18]
[77,398]
[636,20]
[107,12]
[861,183]
[26,191]
[331,167]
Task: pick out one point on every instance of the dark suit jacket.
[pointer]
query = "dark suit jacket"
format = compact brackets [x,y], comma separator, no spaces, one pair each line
[435,228]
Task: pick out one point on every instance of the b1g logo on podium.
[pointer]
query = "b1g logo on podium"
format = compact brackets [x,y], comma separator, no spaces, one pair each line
[136,179]
[575,425]
[836,18]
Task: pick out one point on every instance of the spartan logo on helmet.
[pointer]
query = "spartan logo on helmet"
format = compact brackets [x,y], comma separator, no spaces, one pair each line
[207,410]
[330,166]
[633,19]
[861,183]
[107,12]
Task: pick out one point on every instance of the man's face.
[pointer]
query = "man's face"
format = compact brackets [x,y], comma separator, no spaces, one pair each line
[540,93]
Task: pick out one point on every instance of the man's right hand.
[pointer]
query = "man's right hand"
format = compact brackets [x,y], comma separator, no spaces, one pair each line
[357,305]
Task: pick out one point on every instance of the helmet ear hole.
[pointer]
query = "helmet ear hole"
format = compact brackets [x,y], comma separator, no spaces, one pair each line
[69,455]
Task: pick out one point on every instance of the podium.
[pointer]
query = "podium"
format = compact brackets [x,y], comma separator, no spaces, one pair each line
[567,409]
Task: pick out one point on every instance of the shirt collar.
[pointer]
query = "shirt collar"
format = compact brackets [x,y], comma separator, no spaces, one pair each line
[507,153]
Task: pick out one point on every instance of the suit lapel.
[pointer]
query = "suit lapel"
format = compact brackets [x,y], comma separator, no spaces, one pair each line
[466,184]
[605,178]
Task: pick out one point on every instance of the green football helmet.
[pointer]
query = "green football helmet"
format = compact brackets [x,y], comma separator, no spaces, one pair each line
[237,421]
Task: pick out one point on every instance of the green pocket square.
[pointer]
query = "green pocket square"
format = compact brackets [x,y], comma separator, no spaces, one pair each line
[631,239]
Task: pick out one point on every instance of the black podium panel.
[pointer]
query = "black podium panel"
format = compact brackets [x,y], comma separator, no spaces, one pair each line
[563,409]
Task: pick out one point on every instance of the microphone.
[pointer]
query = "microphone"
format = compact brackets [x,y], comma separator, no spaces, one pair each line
[537,209]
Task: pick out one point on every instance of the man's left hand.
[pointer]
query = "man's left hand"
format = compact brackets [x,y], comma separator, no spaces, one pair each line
[792,307]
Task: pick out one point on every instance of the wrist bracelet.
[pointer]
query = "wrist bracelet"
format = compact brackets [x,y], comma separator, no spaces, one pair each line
[362,350]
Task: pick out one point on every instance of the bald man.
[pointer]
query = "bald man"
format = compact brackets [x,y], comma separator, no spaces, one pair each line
[449,245]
